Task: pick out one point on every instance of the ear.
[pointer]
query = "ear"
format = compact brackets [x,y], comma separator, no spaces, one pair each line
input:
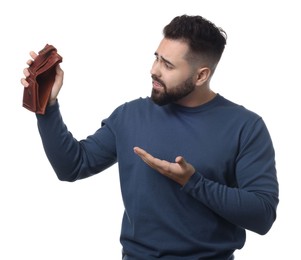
[203,75]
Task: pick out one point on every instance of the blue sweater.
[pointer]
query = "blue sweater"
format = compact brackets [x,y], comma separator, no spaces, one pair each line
[234,188]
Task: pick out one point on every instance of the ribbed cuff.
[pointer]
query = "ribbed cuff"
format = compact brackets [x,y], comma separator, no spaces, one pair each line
[192,181]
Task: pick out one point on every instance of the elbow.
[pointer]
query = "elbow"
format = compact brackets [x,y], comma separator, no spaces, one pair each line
[260,226]
[267,224]
[65,176]
[72,175]
[263,229]
[264,223]
[266,216]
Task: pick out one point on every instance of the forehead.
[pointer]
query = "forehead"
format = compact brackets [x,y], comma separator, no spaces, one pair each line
[172,50]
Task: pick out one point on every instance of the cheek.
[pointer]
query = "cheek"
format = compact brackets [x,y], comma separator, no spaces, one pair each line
[174,79]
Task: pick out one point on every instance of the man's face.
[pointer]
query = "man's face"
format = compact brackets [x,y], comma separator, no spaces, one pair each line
[171,73]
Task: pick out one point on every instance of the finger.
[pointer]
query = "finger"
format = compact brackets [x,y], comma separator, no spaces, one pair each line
[26,72]
[144,155]
[157,164]
[29,62]
[139,151]
[33,54]
[24,83]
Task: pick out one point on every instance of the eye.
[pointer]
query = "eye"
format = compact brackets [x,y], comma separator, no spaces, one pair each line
[168,66]
[163,62]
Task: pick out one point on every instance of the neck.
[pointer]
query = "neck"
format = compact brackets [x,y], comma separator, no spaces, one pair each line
[197,98]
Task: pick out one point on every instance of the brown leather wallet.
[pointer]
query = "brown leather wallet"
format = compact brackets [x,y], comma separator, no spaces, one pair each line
[42,75]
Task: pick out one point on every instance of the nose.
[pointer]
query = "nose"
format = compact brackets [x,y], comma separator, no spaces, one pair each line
[155,70]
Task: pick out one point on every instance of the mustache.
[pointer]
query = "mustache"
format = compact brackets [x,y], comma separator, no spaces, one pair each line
[155,78]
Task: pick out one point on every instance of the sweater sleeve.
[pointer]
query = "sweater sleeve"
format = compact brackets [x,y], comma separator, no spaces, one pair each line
[72,159]
[252,204]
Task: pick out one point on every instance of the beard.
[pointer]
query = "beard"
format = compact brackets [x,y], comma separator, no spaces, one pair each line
[165,97]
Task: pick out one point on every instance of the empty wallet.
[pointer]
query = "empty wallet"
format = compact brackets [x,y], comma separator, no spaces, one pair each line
[42,75]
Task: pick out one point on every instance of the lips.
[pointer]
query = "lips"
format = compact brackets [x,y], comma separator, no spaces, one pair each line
[157,85]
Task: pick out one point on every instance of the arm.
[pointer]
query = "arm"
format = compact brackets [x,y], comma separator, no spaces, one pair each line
[250,205]
[72,159]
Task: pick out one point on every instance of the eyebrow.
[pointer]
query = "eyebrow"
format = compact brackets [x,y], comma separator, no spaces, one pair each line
[165,60]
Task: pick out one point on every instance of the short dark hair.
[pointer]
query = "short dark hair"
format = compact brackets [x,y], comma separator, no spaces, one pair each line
[201,35]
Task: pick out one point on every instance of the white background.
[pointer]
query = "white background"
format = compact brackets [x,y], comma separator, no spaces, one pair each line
[108,49]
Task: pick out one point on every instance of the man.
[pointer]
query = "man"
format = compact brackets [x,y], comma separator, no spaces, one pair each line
[196,170]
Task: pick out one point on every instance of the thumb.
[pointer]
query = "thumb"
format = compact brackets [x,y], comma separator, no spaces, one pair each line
[181,161]
[187,167]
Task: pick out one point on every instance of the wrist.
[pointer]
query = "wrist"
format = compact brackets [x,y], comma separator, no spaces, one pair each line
[52,102]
